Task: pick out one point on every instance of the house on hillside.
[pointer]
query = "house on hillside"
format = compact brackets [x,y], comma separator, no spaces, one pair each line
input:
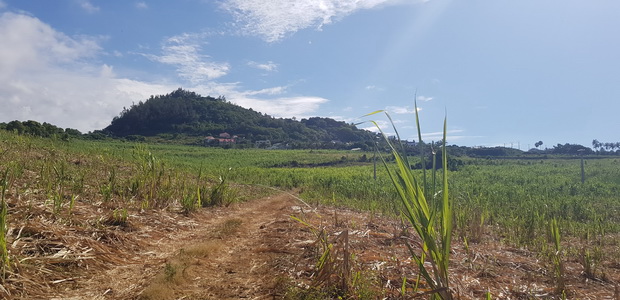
[227,141]
[210,141]
[224,138]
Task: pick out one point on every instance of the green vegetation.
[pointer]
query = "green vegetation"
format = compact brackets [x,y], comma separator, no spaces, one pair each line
[431,218]
[35,128]
[520,195]
[560,203]
[510,199]
[186,117]
[5,263]
[558,265]
[119,173]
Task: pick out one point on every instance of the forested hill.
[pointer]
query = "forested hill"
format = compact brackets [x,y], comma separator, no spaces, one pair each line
[187,113]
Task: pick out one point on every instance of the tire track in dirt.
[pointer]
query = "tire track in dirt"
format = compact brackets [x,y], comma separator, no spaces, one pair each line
[225,253]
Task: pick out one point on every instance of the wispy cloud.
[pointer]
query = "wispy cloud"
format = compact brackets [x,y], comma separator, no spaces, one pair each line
[374,88]
[2,4]
[184,52]
[384,125]
[285,107]
[267,66]
[424,98]
[439,134]
[88,6]
[401,109]
[269,100]
[141,5]
[278,90]
[275,19]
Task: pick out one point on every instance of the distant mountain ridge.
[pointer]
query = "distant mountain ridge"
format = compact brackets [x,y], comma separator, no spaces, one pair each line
[187,113]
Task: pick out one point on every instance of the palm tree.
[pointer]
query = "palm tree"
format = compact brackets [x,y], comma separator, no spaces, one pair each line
[538,144]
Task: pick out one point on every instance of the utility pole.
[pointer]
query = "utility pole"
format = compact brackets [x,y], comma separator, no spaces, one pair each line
[583,172]
[374,158]
[374,171]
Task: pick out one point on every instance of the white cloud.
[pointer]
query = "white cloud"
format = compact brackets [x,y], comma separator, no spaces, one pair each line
[401,109]
[285,107]
[374,88]
[424,98]
[141,5]
[342,118]
[30,39]
[273,20]
[384,125]
[268,66]
[439,135]
[46,76]
[183,51]
[87,6]
[268,91]
[279,106]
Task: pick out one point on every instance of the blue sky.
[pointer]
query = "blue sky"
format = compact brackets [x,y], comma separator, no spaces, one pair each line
[506,72]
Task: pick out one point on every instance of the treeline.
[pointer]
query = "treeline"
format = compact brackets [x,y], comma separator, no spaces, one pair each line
[339,130]
[558,149]
[187,113]
[35,128]
[606,147]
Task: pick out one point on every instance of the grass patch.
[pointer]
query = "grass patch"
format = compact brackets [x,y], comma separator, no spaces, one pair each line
[227,228]
[170,279]
[202,250]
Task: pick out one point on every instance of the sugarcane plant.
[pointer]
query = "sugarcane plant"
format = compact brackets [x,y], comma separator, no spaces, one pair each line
[5,263]
[432,223]
[558,266]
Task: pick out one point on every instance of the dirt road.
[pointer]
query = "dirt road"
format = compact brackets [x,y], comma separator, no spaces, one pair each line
[255,250]
[229,253]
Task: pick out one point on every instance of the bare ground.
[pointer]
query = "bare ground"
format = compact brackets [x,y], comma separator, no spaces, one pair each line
[255,250]
[224,253]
